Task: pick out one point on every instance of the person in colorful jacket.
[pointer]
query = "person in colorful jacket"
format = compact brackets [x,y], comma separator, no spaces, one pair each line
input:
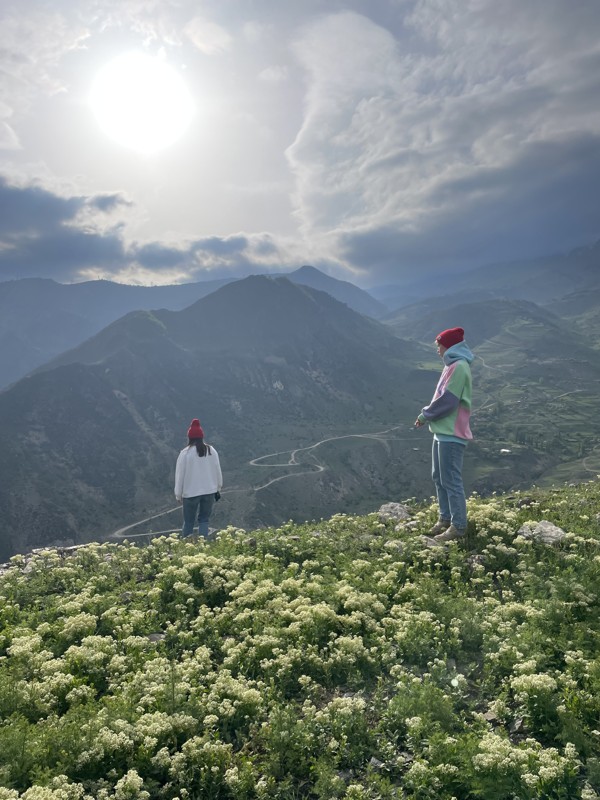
[198,481]
[448,417]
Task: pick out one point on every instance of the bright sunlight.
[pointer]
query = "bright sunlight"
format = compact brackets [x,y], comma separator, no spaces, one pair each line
[141,102]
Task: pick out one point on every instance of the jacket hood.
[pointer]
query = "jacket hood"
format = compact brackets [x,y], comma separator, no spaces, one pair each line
[457,352]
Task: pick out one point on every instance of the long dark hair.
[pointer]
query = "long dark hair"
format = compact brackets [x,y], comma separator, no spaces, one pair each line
[201,448]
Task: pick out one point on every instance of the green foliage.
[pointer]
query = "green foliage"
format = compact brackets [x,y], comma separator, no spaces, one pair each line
[340,661]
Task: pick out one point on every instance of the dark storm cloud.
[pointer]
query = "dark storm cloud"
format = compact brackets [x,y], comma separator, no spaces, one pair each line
[472,141]
[32,208]
[39,234]
[546,200]
[50,235]
[156,256]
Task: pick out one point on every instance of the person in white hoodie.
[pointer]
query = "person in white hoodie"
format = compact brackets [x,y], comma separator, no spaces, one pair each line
[198,480]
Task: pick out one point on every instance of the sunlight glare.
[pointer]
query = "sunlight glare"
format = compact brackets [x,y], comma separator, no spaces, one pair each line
[141,102]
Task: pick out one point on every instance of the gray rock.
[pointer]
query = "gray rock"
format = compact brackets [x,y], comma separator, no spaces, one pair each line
[544,531]
[395,511]
[394,544]
[476,560]
[516,726]
[411,525]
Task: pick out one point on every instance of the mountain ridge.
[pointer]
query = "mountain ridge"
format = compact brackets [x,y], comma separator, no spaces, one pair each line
[131,390]
[40,318]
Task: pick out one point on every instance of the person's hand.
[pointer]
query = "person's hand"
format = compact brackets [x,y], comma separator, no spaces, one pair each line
[418,423]
[179,498]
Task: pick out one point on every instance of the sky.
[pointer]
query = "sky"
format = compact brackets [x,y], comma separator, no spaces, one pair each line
[167,141]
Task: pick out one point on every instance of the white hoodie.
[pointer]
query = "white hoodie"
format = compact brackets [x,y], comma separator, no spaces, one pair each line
[196,475]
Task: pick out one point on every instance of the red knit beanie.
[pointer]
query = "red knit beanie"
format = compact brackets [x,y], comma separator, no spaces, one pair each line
[195,430]
[450,336]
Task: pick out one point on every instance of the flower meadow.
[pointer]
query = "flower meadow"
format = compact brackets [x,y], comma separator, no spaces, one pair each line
[337,659]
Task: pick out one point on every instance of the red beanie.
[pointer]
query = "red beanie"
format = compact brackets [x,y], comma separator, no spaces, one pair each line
[450,336]
[195,430]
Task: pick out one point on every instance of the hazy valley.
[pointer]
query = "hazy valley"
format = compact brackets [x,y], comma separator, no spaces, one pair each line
[309,403]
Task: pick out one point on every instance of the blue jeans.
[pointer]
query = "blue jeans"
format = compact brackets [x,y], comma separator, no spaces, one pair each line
[446,471]
[199,508]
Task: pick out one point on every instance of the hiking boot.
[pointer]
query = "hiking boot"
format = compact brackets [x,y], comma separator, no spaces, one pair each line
[440,526]
[450,534]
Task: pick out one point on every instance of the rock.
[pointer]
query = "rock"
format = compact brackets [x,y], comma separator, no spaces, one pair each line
[544,531]
[516,726]
[394,544]
[396,511]
[375,763]
[429,541]
[524,502]
[407,526]
[156,637]
[476,560]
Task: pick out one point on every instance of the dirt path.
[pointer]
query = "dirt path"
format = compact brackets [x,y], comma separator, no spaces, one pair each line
[380,436]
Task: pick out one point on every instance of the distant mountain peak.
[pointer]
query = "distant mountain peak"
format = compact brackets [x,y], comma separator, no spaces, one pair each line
[344,291]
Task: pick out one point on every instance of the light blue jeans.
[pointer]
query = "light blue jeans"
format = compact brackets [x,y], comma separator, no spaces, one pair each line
[446,471]
[199,508]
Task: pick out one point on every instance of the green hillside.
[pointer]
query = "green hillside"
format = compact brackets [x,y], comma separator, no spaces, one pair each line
[336,659]
[89,442]
[536,379]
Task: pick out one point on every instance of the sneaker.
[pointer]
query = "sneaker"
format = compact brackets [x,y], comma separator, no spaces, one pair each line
[440,526]
[450,534]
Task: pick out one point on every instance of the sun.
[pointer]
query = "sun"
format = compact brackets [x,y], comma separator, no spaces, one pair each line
[141,102]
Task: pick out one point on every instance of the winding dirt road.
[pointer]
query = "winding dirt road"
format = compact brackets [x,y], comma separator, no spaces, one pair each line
[380,436]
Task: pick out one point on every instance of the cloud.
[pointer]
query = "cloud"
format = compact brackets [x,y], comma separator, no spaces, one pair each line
[32,45]
[75,237]
[254,31]
[207,36]
[274,74]
[155,256]
[545,201]
[43,233]
[32,208]
[434,144]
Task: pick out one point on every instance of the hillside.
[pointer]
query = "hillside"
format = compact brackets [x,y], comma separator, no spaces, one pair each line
[40,318]
[540,280]
[536,382]
[91,439]
[338,659]
[344,291]
[582,310]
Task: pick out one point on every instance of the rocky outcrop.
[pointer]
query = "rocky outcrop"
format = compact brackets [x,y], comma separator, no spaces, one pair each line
[542,531]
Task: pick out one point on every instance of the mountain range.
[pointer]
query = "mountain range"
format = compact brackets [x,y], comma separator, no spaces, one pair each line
[89,440]
[309,402]
[541,280]
[39,318]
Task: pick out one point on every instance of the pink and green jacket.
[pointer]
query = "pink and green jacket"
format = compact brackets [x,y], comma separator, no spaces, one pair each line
[449,412]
